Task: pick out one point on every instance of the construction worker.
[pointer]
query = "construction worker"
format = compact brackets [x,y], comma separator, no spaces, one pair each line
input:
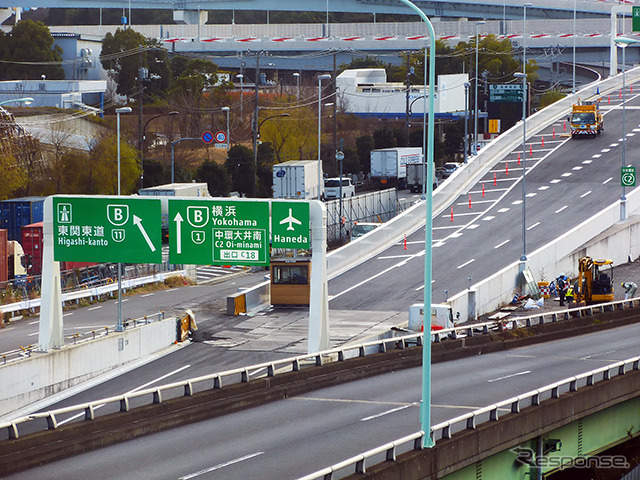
[569,296]
[562,283]
[629,289]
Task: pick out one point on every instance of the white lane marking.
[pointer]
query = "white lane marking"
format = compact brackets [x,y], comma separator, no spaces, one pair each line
[171,290]
[577,168]
[597,355]
[509,376]
[502,210]
[533,226]
[474,226]
[501,244]
[382,414]
[395,256]
[531,194]
[597,155]
[605,150]
[124,300]
[129,392]
[32,334]
[561,209]
[567,174]
[585,194]
[221,465]
[630,134]
[32,323]
[67,314]
[146,295]
[488,217]
[517,202]
[544,187]
[557,180]
[614,144]
[421,287]
[587,162]
[607,180]
[94,308]
[467,263]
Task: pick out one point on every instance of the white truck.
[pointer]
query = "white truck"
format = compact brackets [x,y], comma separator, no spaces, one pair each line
[195,190]
[389,165]
[414,177]
[297,179]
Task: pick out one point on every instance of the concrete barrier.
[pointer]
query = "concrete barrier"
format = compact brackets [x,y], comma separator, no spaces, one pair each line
[44,374]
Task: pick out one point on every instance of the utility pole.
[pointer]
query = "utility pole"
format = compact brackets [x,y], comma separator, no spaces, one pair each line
[140,120]
[254,126]
[335,104]
[407,104]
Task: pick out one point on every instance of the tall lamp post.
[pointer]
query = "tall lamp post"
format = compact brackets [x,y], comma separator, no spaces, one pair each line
[241,77]
[623,43]
[297,75]
[475,102]
[326,76]
[173,144]
[573,76]
[25,100]
[466,121]
[256,136]
[226,109]
[524,37]
[119,326]
[144,134]
[523,76]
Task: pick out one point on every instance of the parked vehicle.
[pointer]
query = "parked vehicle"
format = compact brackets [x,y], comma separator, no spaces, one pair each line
[332,188]
[196,190]
[414,177]
[389,165]
[595,281]
[297,179]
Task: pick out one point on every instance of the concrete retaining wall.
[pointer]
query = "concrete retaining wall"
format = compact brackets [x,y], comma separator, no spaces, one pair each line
[44,374]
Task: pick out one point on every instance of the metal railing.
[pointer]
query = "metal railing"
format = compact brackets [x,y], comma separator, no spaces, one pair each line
[470,421]
[23,352]
[269,369]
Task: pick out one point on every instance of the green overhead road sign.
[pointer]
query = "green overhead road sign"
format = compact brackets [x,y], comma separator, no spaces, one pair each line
[219,232]
[505,92]
[628,177]
[107,229]
[635,22]
[290,224]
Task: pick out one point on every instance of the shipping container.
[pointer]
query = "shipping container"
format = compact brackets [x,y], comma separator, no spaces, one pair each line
[4,257]
[297,180]
[32,246]
[17,212]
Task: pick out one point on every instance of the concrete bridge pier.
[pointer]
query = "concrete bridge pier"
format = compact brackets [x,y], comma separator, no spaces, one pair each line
[190,17]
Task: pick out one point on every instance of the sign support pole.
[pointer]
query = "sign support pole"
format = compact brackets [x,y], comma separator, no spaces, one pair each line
[319,297]
[50,334]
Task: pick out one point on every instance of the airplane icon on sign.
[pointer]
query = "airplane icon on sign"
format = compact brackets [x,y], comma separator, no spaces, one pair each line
[290,220]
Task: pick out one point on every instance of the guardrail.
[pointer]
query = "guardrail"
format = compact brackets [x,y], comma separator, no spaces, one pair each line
[91,292]
[292,364]
[470,421]
[78,338]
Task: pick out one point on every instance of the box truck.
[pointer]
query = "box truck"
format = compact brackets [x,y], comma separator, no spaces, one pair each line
[297,179]
[196,190]
[389,165]
[414,177]
[441,317]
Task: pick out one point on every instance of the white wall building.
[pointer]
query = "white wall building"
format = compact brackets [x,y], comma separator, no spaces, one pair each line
[366,92]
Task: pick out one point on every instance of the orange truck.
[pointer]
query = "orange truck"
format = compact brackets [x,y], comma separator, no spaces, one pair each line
[586,119]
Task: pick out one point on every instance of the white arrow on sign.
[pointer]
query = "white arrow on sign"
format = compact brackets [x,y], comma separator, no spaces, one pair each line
[178,219]
[138,222]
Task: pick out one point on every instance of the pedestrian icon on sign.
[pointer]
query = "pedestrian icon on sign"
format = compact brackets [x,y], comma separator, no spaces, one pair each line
[64,213]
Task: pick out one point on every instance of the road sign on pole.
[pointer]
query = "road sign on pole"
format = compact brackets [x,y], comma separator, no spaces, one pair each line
[290,224]
[107,229]
[207,137]
[505,92]
[219,232]
[221,137]
[628,177]
[635,15]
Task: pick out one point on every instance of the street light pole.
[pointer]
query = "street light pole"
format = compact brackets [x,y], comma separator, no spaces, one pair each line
[173,144]
[573,76]
[25,100]
[241,77]
[144,137]
[475,102]
[320,177]
[466,121]
[226,109]
[297,75]
[119,326]
[524,37]
[523,76]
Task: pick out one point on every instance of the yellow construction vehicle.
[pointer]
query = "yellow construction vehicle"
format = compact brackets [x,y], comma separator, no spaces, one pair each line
[595,281]
[586,119]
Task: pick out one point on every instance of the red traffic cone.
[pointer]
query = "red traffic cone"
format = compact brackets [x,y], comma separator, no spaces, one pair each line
[564,126]
[507,165]
[405,241]
[554,133]
[495,180]
[452,214]
[543,141]
[609,99]
[518,158]
[483,189]
[469,200]
[530,149]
